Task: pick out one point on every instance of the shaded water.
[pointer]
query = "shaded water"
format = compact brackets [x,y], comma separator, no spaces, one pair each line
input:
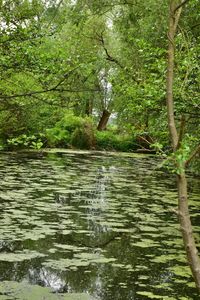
[98,225]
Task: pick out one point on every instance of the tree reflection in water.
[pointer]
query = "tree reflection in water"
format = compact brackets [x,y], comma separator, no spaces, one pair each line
[103,225]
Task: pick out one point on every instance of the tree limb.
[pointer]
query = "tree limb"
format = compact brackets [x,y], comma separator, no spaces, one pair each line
[194,153]
[53,89]
[55,13]
[108,56]
[46,91]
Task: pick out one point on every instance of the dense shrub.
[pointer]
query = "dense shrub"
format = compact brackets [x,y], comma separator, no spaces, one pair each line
[60,134]
[71,130]
[107,140]
[58,137]
[83,137]
[70,122]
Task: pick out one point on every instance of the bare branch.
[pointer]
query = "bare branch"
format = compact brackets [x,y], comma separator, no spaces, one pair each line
[173,22]
[177,14]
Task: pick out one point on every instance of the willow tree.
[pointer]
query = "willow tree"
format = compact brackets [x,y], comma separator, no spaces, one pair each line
[182,160]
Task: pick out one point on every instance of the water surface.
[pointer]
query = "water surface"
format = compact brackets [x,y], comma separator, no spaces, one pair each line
[98,226]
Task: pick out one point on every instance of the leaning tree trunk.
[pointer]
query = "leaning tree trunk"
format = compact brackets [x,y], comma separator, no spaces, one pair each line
[186,228]
[104,120]
[183,210]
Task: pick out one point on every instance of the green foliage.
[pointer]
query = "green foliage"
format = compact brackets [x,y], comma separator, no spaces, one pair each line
[26,141]
[158,147]
[2,144]
[107,140]
[71,130]
[60,134]
[70,122]
[81,58]
[57,137]
[83,137]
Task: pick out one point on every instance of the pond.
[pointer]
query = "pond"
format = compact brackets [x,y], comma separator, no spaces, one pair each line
[91,226]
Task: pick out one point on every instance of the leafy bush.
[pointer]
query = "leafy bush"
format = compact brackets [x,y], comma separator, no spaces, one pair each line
[27,141]
[58,137]
[70,122]
[71,130]
[83,138]
[106,140]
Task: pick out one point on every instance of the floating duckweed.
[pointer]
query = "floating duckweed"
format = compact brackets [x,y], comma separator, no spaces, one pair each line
[20,256]
[97,224]
[18,291]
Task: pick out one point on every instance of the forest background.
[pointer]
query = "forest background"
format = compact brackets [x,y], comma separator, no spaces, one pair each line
[92,75]
[95,75]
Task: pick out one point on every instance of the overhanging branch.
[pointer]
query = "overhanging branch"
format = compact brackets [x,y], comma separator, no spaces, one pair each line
[52,89]
[47,91]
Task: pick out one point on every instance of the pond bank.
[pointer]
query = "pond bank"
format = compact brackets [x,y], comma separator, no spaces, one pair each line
[77,151]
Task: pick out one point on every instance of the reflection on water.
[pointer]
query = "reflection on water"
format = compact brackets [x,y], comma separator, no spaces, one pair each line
[99,225]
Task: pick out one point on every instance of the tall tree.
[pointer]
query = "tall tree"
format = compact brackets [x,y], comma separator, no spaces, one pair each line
[181,160]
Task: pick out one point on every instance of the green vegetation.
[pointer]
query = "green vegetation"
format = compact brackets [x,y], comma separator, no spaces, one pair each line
[19,291]
[63,65]
[80,74]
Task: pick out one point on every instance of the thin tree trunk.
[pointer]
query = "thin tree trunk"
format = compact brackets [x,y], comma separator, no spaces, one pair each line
[170,77]
[186,229]
[184,216]
[104,120]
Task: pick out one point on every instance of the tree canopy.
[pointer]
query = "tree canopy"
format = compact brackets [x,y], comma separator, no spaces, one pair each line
[59,58]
